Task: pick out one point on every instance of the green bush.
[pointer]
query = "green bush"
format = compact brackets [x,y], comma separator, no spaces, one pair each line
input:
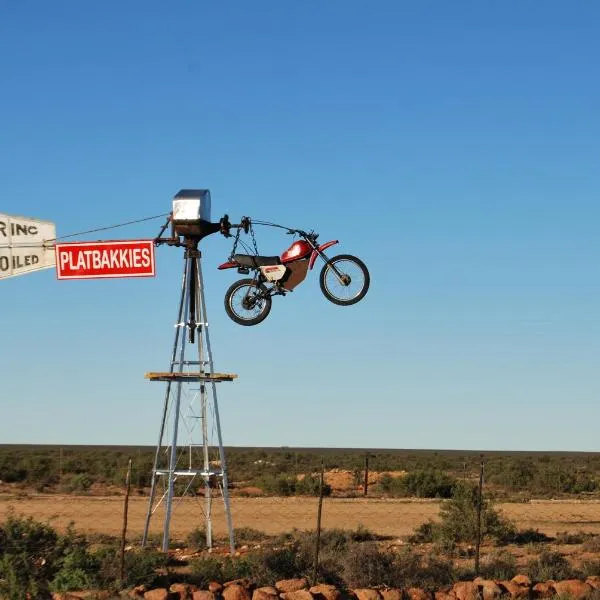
[141,566]
[458,521]
[501,565]
[77,571]
[29,558]
[309,485]
[566,538]
[590,568]
[206,569]
[592,544]
[249,534]
[526,536]
[422,483]
[550,565]
[79,482]
[364,565]
[196,539]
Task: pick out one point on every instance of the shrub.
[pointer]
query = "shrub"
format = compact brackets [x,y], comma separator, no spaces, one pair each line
[567,538]
[365,566]
[29,558]
[459,521]
[141,566]
[206,569]
[527,536]
[424,533]
[196,539]
[278,486]
[309,485]
[429,483]
[591,568]
[592,544]
[501,565]
[422,483]
[362,534]
[550,565]
[248,534]
[79,482]
[77,571]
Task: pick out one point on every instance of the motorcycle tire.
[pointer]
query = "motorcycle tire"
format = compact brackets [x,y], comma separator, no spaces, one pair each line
[329,280]
[244,315]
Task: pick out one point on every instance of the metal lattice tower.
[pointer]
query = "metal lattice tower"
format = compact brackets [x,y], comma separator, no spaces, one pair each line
[186,454]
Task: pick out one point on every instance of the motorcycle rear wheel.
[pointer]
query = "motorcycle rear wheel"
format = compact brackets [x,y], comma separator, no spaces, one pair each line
[242,304]
[350,291]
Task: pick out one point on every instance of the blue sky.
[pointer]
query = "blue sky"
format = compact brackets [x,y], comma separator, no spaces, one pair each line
[452,146]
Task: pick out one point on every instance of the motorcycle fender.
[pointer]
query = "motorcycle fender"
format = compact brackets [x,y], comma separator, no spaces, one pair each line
[228,265]
[321,247]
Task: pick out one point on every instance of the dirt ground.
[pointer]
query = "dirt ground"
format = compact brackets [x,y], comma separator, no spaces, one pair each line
[389,517]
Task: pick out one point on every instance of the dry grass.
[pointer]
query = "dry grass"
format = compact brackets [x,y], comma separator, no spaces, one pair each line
[275,515]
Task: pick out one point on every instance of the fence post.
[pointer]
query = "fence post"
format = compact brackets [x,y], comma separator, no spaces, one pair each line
[319,514]
[479,514]
[366,483]
[124,532]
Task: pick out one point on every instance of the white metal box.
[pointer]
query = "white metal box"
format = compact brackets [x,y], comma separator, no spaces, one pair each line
[191,206]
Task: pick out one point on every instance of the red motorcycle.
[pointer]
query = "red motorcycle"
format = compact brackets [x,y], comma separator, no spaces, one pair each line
[344,278]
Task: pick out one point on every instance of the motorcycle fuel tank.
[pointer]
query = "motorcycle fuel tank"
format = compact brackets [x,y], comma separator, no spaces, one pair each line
[299,249]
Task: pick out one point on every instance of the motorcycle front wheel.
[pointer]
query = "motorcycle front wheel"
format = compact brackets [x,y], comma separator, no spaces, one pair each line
[351,282]
[246,302]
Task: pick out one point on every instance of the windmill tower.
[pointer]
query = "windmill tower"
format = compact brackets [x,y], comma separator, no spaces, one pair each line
[189,456]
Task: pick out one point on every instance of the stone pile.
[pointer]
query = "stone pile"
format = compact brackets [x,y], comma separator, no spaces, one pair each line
[518,588]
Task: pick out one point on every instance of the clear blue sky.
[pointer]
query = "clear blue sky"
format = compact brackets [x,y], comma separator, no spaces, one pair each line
[454,146]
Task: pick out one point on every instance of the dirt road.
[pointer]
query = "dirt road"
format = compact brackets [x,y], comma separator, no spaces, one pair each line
[275,515]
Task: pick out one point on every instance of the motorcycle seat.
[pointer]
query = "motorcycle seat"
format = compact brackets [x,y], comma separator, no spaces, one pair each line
[249,260]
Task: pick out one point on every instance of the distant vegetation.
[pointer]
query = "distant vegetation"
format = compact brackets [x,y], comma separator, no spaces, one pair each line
[294,471]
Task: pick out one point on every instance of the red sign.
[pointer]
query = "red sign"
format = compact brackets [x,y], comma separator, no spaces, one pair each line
[90,260]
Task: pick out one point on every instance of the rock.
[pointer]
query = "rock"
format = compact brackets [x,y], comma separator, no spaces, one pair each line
[466,590]
[391,594]
[202,595]
[215,587]
[184,590]
[291,585]
[521,580]
[138,591]
[325,591]
[235,591]
[418,594]
[297,595]
[489,590]
[573,589]
[244,582]
[445,594]
[544,589]
[269,589]
[64,596]
[265,593]
[594,581]
[157,594]
[367,594]
[512,589]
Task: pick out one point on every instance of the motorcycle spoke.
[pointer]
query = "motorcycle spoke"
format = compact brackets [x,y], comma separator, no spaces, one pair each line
[341,290]
[239,303]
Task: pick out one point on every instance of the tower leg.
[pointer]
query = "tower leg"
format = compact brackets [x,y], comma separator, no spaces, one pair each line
[222,460]
[165,409]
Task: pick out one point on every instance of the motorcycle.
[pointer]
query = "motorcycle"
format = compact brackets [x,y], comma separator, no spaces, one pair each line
[344,279]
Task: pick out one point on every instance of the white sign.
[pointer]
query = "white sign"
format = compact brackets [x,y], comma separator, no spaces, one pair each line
[26,245]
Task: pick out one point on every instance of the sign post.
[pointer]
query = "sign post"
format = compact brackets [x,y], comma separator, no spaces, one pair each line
[26,245]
